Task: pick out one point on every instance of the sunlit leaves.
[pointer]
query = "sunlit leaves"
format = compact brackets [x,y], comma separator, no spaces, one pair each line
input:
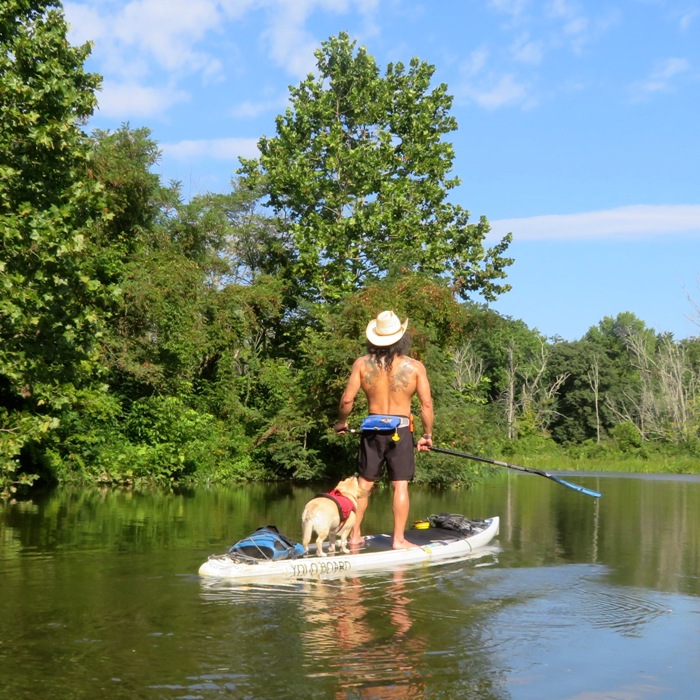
[359,173]
[48,325]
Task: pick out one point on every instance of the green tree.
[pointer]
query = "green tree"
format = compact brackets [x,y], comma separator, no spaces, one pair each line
[49,322]
[514,359]
[133,196]
[616,341]
[358,175]
[582,413]
[242,240]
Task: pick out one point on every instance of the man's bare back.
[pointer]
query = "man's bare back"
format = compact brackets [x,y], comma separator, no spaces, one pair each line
[390,391]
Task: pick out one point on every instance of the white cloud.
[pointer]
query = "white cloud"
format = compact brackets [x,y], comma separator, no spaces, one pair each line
[140,41]
[515,8]
[235,9]
[487,88]
[563,9]
[635,222]
[249,109]
[130,100]
[135,40]
[661,78]
[526,50]
[670,67]
[577,30]
[496,92]
[496,79]
[475,62]
[688,19]
[216,149]
[85,23]
[291,45]
[168,30]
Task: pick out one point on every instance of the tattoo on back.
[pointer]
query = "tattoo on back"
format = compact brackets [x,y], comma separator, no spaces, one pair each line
[371,372]
[399,380]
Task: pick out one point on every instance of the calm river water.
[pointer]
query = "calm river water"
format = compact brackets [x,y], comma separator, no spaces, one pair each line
[582,599]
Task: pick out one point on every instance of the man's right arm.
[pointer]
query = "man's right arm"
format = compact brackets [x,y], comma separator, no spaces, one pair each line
[348,398]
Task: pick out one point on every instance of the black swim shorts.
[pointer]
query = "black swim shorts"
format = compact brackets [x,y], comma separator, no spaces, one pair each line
[379,448]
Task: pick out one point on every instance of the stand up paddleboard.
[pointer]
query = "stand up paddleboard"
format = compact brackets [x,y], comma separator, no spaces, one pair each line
[434,545]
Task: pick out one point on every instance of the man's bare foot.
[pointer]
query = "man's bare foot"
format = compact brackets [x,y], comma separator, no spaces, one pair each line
[403,544]
[359,542]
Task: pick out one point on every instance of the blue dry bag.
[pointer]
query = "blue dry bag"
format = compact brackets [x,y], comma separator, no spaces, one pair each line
[266,543]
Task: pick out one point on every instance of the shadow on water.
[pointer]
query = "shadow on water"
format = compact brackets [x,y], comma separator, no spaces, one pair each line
[582,598]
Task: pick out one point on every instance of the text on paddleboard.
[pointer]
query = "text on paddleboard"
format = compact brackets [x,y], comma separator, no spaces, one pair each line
[325,567]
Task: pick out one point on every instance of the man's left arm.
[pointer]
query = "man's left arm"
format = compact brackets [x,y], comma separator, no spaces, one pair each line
[426,409]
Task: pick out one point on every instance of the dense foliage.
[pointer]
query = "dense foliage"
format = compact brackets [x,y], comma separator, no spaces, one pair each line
[148,338]
[51,291]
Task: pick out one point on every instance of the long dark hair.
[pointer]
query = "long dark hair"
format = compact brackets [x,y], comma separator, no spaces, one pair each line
[384,356]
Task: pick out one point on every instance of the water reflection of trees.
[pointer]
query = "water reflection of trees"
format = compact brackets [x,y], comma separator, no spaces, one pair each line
[646,530]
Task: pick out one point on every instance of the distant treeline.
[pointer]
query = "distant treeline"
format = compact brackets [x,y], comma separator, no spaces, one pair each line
[146,338]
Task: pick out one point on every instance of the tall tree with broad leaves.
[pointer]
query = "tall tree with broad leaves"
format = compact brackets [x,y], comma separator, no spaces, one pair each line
[358,174]
[48,320]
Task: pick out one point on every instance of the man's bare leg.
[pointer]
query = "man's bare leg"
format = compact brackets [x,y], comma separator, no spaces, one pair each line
[400,505]
[356,534]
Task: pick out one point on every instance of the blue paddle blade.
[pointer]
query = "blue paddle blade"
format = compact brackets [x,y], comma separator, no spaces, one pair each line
[575,487]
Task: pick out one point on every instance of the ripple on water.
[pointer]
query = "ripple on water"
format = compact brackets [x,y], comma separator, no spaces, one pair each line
[618,610]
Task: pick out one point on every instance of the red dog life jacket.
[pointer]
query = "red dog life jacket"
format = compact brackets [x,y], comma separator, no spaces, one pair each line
[345,504]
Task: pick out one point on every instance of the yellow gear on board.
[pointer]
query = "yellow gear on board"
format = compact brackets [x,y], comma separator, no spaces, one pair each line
[421,525]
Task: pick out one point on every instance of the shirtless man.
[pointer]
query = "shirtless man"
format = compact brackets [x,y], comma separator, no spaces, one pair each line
[389,379]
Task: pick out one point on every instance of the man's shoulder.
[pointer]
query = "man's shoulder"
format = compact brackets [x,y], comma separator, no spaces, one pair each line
[364,364]
[410,361]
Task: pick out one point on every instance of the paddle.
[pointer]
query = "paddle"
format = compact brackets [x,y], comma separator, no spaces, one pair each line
[575,487]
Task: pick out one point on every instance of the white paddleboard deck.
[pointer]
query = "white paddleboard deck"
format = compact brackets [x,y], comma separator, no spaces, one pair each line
[434,546]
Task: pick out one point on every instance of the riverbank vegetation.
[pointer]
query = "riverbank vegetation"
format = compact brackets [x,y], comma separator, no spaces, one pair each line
[146,338]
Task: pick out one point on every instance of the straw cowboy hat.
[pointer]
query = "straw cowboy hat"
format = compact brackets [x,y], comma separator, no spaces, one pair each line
[386,329]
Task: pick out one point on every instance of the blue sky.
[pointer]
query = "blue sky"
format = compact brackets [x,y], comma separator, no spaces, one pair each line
[578,124]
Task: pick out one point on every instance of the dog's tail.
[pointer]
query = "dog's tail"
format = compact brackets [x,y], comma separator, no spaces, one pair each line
[307,527]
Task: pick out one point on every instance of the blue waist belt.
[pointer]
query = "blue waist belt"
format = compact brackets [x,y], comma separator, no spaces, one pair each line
[385,423]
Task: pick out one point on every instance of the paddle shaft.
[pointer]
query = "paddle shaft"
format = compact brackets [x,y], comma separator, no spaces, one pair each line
[539,472]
